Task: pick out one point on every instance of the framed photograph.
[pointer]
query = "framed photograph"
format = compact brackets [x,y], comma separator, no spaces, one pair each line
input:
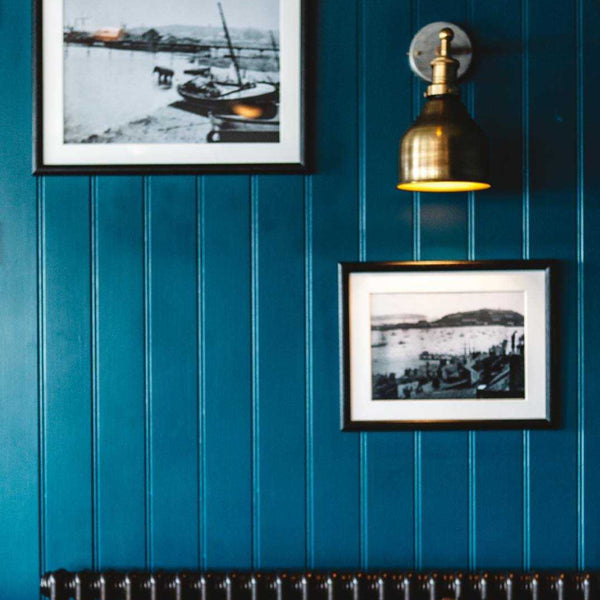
[147,86]
[446,344]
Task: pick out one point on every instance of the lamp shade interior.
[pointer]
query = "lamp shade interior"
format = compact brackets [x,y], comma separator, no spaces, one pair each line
[443,186]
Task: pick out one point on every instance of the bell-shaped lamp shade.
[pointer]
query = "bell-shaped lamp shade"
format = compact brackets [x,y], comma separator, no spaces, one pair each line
[444,150]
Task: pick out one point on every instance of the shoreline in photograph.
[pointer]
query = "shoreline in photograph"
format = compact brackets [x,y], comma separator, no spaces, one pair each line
[114,97]
[497,371]
[166,125]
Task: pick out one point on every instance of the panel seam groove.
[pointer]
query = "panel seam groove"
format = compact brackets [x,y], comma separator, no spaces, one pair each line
[581,546]
[526,255]
[41,366]
[309,386]
[201,358]
[362,256]
[147,216]
[93,209]
[471,252]
[255,257]
[417,435]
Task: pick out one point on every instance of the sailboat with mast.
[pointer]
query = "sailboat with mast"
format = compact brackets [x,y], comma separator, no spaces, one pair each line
[205,92]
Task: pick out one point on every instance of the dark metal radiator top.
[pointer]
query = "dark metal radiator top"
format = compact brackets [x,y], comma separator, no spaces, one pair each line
[189,585]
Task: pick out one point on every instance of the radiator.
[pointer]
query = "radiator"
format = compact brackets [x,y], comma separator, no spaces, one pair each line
[188,585]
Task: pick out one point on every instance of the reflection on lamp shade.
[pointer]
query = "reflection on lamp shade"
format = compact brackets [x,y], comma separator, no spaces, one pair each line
[444,150]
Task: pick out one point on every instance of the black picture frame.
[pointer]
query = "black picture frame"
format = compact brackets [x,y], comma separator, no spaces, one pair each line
[551,270]
[304,166]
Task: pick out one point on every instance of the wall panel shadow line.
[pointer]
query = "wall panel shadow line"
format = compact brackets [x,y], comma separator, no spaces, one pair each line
[581,315]
[415,99]
[254,241]
[41,366]
[94,368]
[526,198]
[361,171]
[147,224]
[201,367]
[309,381]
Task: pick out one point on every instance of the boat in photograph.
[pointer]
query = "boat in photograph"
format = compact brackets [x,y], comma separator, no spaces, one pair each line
[211,94]
[246,124]
[205,92]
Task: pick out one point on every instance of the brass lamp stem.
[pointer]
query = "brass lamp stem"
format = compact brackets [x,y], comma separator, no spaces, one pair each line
[444,68]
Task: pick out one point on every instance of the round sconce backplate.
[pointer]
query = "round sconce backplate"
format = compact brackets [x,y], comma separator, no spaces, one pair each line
[423,49]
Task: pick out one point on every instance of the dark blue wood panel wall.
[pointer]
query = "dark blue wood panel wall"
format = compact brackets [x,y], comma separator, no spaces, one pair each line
[169,345]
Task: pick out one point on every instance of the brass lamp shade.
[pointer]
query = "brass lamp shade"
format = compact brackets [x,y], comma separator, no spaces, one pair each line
[444,150]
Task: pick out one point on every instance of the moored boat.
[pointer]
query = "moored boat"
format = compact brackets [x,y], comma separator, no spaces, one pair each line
[250,124]
[223,96]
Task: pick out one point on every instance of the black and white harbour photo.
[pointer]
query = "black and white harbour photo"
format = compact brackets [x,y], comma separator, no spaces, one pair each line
[181,86]
[187,71]
[433,346]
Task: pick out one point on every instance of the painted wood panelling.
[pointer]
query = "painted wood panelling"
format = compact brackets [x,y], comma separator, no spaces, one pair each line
[19,375]
[119,426]
[169,374]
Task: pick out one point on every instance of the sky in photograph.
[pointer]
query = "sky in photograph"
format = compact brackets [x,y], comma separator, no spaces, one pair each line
[261,14]
[435,306]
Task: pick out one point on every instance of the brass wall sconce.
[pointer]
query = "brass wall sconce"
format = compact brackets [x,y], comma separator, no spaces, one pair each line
[444,150]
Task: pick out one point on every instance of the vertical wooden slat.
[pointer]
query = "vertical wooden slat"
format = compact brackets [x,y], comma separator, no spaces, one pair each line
[334,238]
[279,271]
[498,235]
[120,372]
[68,406]
[228,372]
[553,211]
[174,408]
[445,458]
[19,457]
[590,144]
[386,35]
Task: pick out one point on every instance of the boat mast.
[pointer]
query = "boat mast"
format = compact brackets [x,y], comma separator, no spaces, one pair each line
[275,49]
[231,50]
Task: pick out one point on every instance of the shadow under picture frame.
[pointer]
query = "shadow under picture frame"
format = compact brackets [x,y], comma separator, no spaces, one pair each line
[447,345]
[202,86]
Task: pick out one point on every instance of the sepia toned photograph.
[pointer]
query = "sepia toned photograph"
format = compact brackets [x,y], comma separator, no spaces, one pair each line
[193,82]
[448,346]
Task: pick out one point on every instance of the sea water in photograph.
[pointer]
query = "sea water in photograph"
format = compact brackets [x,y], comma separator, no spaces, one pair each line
[186,71]
[431,346]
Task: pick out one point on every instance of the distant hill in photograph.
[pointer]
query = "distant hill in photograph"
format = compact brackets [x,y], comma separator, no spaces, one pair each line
[206,32]
[474,318]
[484,316]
